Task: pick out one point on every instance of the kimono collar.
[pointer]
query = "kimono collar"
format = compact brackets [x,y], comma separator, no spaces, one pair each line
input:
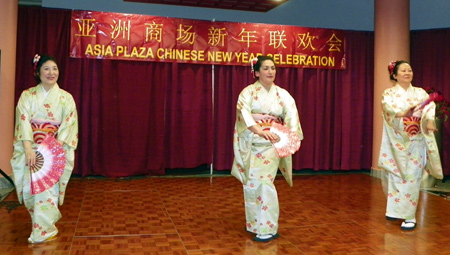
[258,84]
[45,93]
[398,86]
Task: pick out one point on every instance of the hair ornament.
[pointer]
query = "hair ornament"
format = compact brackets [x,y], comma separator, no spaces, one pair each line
[391,66]
[36,61]
[252,63]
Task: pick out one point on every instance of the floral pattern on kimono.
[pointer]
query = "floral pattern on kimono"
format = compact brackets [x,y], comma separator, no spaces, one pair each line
[248,102]
[58,109]
[256,162]
[405,154]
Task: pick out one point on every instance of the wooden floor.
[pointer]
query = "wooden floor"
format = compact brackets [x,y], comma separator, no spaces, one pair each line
[321,214]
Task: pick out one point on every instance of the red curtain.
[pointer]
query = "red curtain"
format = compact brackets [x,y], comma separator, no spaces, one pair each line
[429,60]
[228,81]
[335,108]
[188,116]
[142,118]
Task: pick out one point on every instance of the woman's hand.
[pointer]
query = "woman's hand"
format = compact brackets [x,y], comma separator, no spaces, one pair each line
[407,113]
[30,155]
[430,127]
[276,140]
[272,137]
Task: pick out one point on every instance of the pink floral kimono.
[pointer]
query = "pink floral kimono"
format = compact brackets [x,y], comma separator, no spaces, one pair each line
[256,162]
[406,150]
[39,113]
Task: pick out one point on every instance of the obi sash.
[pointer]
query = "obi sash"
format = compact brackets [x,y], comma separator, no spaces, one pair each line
[265,120]
[411,125]
[41,130]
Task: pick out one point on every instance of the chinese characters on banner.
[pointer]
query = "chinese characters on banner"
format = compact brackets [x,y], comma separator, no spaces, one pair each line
[106,35]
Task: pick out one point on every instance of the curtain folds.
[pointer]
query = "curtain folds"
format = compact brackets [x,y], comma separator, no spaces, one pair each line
[141,118]
[335,108]
[429,60]
[188,116]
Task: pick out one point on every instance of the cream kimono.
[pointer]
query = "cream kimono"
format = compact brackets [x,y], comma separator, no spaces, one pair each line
[38,113]
[256,163]
[406,150]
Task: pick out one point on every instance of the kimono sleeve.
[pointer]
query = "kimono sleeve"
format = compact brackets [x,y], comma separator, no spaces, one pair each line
[68,131]
[433,165]
[23,130]
[244,118]
[389,108]
[291,117]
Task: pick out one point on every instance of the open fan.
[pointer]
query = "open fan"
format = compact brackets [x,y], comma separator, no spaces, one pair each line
[433,96]
[289,141]
[50,163]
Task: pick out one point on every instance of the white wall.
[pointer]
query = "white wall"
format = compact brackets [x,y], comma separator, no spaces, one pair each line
[339,14]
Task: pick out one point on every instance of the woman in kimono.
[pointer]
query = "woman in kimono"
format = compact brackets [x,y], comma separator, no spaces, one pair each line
[43,110]
[255,160]
[408,145]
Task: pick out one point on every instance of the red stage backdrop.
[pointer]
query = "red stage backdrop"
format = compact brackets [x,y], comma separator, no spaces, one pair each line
[107,35]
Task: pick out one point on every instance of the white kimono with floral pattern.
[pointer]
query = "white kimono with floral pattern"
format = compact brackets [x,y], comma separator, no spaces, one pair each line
[57,108]
[256,162]
[404,156]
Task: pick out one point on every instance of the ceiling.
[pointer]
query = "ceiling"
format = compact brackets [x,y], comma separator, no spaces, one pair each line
[30,2]
[238,5]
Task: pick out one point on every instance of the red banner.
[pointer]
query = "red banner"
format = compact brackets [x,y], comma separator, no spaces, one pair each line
[106,35]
